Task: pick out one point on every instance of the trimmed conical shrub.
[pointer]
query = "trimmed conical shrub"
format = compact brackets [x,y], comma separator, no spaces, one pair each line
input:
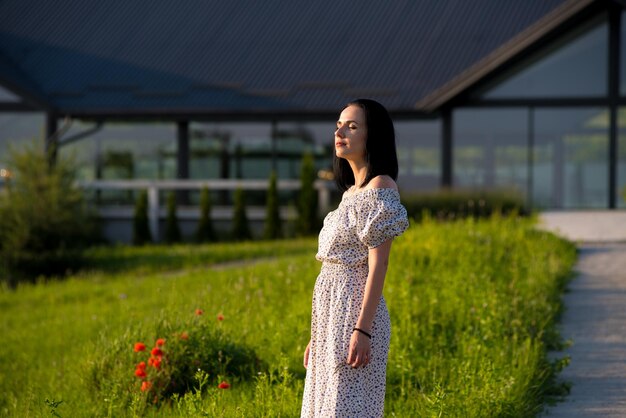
[204,231]
[307,198]
[172,230]
[272,216]
[241,229]
[141,227]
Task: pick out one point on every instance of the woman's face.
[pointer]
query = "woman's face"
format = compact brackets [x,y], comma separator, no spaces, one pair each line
[351,134]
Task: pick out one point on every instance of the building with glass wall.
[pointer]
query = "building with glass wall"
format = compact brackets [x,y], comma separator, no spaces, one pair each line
[527,96]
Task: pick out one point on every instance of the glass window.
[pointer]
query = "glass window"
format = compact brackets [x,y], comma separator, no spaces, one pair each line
[622,66]
[18,129]
[7,96]
[490,148]
[621,159]
[293,139]
[419,157]
[570,165]
[572,67]
[120,151]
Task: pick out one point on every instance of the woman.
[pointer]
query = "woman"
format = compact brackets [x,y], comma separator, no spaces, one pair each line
[346,358]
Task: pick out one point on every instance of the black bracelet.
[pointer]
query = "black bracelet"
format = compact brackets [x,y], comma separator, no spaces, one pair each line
[362,332]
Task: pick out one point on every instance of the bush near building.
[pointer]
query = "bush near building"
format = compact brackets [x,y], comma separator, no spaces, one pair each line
[44,221]
[141,227]
[459,204]
[205,231]
[272,215]
[307,198]
[241,227]
[172,230]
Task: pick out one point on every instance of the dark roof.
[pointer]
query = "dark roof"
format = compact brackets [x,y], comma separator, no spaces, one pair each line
[242,56]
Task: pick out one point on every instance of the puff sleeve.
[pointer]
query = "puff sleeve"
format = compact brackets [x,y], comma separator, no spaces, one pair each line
[382,218]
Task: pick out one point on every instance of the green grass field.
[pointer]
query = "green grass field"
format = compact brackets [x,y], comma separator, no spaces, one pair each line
[473,305]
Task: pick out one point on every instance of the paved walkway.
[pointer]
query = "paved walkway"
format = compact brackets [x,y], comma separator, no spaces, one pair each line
[594,318]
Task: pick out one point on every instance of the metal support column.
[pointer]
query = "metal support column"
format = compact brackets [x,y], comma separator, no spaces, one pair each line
[615,13]
[446,149]
[182,159]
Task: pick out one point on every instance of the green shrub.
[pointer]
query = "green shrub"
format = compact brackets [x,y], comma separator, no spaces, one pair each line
[307,198]
[204,231]
[44,221]
[272,215]
[459,204]
[241,228]
[141,227]
[172,230]
[146,367]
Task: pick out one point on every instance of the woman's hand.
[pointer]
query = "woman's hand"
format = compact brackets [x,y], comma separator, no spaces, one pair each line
[360,350]
[306,355]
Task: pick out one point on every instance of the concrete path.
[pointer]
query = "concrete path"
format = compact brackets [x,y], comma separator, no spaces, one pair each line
[595,321]
[587,226]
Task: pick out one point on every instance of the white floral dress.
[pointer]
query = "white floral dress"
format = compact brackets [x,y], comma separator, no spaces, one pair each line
[332,388]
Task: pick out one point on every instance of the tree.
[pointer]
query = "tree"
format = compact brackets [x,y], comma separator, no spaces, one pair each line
[307,198]
[241,229]
[45,223]
[272,216]
[141,227]
[172,230]
[204,231]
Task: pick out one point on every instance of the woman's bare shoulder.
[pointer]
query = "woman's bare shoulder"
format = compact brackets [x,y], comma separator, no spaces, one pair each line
[382,182]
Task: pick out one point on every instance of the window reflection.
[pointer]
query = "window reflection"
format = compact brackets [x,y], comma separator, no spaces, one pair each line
[8,97]
[574,66]
[570,167]
[418,144]
[491,148]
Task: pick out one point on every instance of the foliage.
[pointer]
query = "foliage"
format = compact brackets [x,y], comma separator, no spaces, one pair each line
[624,193]
[241,227]
[44,221]
[172,230]
[307,198]
[472,305]
[141,227]
[131,370]
[459,203]
[204,231]
[272,216]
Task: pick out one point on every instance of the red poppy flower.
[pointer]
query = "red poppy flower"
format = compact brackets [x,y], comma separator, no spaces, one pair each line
[151,361]
[223,385]
[145,385]
[199,312]
[141,366]
[140,373]
[156,351]
[140,347]
[184,335]
[160,342]
[220,317]
[157,363]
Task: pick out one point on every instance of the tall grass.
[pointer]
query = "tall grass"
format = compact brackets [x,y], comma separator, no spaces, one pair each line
[472,303]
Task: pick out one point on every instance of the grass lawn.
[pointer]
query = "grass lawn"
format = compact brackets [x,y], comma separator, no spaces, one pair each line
[473,305]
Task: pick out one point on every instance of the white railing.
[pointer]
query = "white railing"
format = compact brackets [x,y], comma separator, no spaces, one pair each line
[153,188]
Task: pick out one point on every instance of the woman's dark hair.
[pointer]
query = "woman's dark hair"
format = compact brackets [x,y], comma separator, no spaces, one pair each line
[380,147]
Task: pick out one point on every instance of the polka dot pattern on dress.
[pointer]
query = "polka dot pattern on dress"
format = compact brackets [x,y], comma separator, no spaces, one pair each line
[363,220]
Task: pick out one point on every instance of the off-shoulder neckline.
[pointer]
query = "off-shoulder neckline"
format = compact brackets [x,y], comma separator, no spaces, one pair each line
[376,189]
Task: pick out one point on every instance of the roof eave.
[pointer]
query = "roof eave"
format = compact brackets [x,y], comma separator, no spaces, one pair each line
[214,114]
[522,41]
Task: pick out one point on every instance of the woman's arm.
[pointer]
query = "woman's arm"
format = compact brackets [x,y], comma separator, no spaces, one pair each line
[360,347]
